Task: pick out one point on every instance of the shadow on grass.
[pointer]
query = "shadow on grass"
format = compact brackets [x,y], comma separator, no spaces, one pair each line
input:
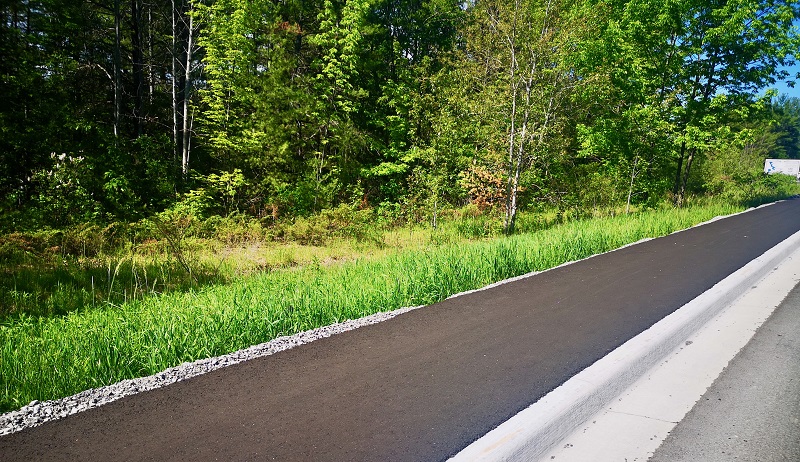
[51,287]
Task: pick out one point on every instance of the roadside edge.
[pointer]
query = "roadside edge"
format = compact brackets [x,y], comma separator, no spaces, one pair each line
[533,432]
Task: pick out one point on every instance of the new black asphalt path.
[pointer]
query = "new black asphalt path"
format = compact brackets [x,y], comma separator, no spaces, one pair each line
[425,384]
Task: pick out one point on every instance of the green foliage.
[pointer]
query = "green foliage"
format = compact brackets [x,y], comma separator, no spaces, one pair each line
[286,109]
[692,67]
[64,195]
[628,150]
[255,105]
[344,221]
[222,194]
[736,170]
[72,149]
[786,114]
[339,39]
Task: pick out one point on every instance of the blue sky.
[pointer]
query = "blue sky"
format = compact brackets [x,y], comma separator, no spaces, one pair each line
[783,88]
[793,70]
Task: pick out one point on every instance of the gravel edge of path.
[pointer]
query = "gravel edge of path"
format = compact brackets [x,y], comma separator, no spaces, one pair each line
[36,413]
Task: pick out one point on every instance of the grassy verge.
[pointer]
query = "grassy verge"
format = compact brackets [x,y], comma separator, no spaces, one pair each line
[58,272]
[50,357]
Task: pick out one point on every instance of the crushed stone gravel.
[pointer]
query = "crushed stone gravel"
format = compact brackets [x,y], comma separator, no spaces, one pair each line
[37,413]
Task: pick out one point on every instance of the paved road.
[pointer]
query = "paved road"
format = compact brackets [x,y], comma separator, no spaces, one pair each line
[425,384]
[752,411]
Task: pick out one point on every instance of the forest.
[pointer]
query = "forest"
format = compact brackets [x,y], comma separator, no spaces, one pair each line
[116,111]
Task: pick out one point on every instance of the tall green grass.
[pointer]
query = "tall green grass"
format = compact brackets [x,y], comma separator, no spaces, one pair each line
[46,358]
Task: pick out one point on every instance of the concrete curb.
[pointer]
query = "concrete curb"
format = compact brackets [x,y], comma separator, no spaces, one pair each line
[533,432]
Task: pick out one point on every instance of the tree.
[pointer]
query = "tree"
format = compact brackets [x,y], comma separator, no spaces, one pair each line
[183,66]
[520,57]
[336,84]
[256,105]
[786,115]
[694,63]
[626,146]
[403,45]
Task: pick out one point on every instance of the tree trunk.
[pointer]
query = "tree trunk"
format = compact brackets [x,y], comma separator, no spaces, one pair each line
[686,173]
[138,66]
[519,160]
[174,77]
[511,202]
[512,183]
[186,96]
[630,186]
[151,79]
[117,70]
[676,190]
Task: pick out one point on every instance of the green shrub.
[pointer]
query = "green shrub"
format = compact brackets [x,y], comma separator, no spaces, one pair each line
[344,221]
[236,229]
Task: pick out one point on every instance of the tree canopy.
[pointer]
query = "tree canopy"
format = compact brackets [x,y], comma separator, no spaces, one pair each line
[113,110]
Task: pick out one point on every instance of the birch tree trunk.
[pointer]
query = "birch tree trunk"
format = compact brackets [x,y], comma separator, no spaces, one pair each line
[533,67]
[117,70]
[634,174]
[174,86]
[512,181]
[186,96]
[138,66]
